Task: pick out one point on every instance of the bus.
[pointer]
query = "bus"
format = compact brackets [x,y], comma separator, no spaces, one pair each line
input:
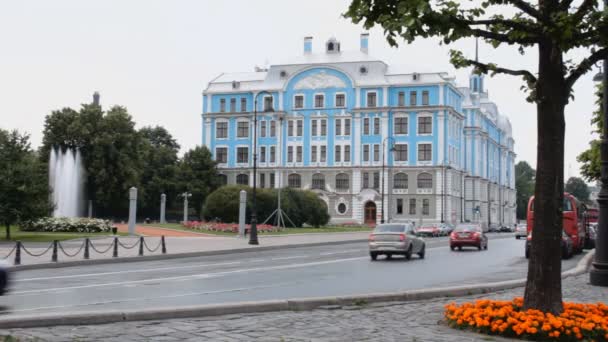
[574,213]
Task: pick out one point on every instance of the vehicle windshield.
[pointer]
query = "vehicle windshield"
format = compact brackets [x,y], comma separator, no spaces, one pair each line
[467,229]
[390,228]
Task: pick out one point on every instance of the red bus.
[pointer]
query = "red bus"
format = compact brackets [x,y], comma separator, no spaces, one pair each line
[573,222]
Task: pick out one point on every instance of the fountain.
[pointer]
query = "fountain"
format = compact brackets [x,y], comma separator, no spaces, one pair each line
[66,178]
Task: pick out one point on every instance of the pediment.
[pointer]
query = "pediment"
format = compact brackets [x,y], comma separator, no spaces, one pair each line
[320,80]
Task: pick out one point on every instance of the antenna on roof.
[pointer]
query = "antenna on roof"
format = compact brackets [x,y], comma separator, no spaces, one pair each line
[476,49]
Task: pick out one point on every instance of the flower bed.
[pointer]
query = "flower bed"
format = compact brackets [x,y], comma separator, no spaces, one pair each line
[587,322]
[67,224]
[227,227]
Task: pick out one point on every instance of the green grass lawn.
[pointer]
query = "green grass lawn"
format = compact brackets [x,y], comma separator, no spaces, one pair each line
[283,232]
[17,234]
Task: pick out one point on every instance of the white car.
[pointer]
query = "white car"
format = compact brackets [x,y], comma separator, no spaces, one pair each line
[521,231]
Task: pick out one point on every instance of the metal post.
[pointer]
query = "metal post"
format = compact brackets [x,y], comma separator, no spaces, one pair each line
[382,196]
[599,270]
[242,211]
[86,248]
[253,236]
[115,253]
[54,256]
[163,246]
[132,209]
[163,202]
[141,246]
[18,253]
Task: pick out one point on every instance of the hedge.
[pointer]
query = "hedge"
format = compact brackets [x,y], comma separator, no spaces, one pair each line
[67,224]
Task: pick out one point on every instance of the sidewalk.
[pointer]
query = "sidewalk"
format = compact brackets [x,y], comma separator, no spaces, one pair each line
[413,321]
[175,245]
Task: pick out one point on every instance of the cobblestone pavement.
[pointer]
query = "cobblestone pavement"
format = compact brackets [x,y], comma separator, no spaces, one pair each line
[404,322]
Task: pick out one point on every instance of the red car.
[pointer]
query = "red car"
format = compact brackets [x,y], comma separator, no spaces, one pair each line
[468,235]
[428,230]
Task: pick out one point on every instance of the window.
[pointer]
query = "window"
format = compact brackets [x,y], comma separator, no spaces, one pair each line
[221,130]
[323,154]
[242,130]
[400,181]
[263,128]
[299,128]
[232,105]
[413,98]
[376,126]
[425,98]
[221,155]
[299,102]
[323,127]
[271,180]
[366,126]
[338,152]
[318,181]
[268,103]
[412,206]
[298,154]
[347,153]
[294,180]
[400,125]
[242,154]
[273,128]
[338,127]
[424,152]
[313,154]
[242,179]
[376,180]
[399,206]
[425,125]
[243,104]
[376,152]
[262,180]
[290,154]
[272,154]
[340,100]
[342,181]
[401,99]
[425,181]
[319,101]
[222,105]
[290,128]
[342,208]
[365,180]
[371,99]
[223,179]
[365,153]
[400,152]
[426,207]
[262,154]
[346,126]
[314,128]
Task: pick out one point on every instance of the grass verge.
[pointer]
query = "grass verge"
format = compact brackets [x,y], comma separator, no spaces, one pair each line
[17,234]
[286,231]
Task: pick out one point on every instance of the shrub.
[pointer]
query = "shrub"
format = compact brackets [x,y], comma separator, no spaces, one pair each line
[227,227]
[67,224]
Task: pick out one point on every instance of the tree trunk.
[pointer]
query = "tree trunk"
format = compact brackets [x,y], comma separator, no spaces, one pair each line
[8,232]
[544,287]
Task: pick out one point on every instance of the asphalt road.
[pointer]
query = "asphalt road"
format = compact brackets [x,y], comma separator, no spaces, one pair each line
[281,274]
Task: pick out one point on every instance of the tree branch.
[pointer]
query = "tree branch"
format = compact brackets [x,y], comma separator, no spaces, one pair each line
[508,23]
[526,8]
[501,37]
[484,67]
[582,9]
[585,65]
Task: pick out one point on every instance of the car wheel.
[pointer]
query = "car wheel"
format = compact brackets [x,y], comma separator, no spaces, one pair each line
[517,237]
[452,247]
[459,248]
[389,256]
[486,246]
[374,256]
[408,254]
[480,247]
[527,254]
[422,251]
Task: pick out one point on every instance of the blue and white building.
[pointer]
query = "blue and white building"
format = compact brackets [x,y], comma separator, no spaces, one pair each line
[338,114]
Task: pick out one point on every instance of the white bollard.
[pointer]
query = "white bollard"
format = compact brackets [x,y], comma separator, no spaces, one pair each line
[132,209]
[163,201]
[242,210]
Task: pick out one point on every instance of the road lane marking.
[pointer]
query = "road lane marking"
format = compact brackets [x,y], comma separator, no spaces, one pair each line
[291,257]
[191,276]
[342,252]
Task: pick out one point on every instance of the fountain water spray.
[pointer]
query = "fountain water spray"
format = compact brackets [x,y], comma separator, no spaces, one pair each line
[66,178]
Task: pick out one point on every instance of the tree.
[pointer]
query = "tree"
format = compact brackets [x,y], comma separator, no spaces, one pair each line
[24,187]
[590,159]
[555,28]
[198,175]
[578,188]
[524,185]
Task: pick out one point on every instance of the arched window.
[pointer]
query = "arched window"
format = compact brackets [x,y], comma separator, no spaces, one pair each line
[242,179]
[318,181]
[400,181]
[294,180]
[342,181]
[425,181]
[223,179]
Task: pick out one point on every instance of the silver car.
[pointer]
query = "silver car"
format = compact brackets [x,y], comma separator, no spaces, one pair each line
[395,238]
[521,231]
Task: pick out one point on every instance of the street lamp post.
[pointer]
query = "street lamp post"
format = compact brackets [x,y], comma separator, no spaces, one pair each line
[599,270]
[253,236]
[391,149]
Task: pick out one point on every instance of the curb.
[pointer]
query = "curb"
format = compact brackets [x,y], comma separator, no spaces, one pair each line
[155,257]
[305,304]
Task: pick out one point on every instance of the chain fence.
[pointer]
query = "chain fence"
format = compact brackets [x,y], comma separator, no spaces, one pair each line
[87,245]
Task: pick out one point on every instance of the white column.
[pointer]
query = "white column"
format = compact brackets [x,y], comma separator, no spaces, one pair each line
[357,136]
[440,131]
[208,132]
[385,97]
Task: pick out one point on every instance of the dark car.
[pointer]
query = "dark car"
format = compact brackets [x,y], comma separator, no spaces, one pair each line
[567,246]
[468,235]
[4,276]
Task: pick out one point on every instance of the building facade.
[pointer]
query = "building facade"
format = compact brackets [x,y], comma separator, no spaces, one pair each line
[329,121]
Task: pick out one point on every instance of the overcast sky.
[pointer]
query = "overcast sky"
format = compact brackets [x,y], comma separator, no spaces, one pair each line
[156,57]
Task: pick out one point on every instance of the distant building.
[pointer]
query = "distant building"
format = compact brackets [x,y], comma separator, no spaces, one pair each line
[336,113]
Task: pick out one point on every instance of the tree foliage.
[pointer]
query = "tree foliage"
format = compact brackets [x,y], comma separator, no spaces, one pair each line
[524,185]
[590,159]
[198,175]
[24,187]
[555,28]
[577,188]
